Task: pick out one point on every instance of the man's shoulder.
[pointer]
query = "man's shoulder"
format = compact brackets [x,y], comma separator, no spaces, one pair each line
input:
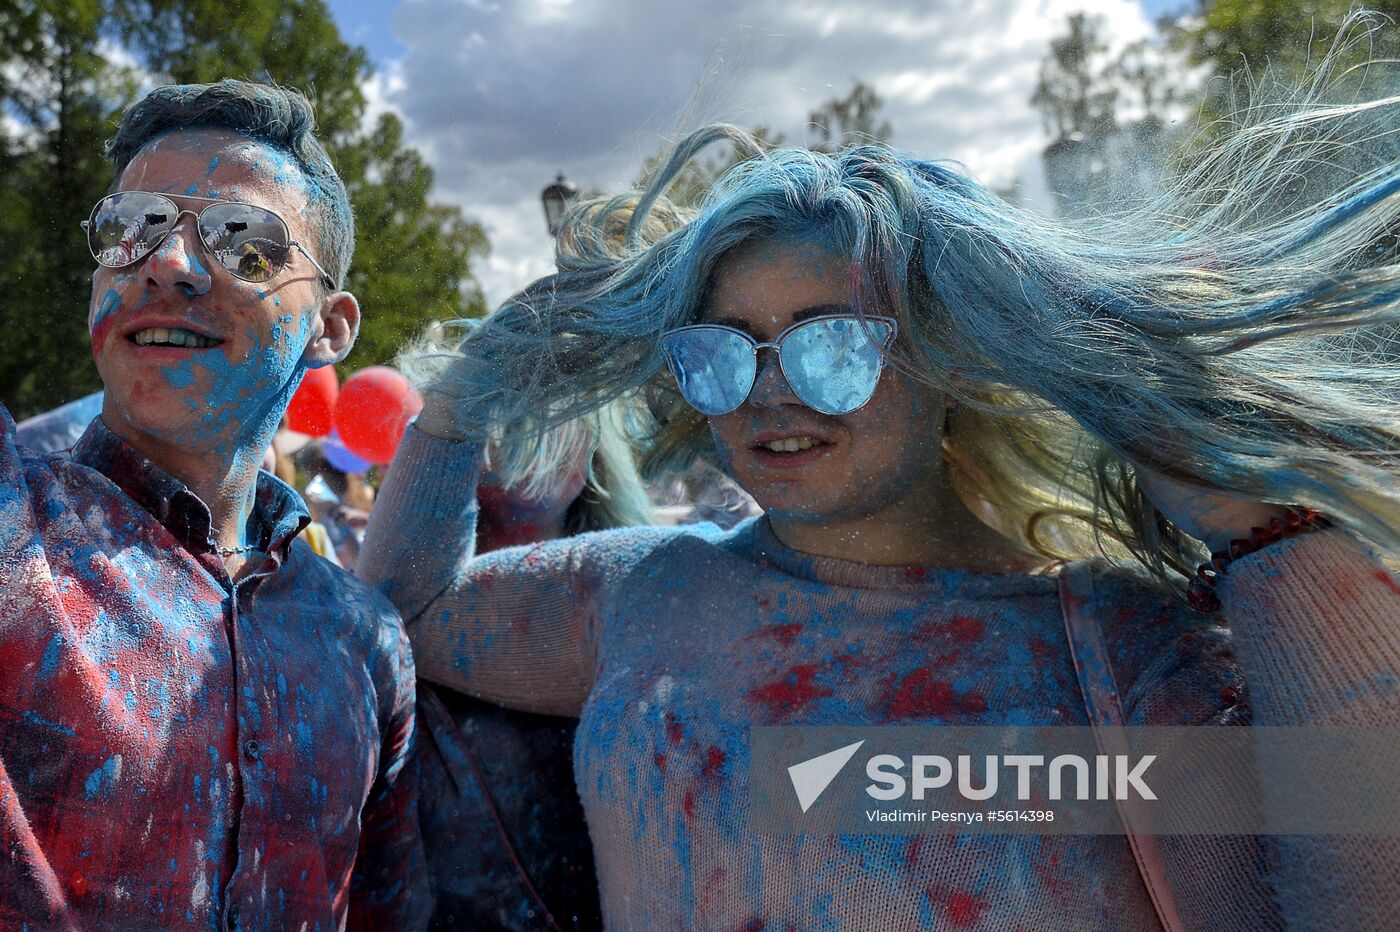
[361,609]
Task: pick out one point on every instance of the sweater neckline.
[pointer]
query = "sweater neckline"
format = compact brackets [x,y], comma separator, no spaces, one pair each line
[927,580]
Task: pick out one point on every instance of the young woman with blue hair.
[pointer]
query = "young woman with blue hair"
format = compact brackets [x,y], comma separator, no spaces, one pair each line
[968,425]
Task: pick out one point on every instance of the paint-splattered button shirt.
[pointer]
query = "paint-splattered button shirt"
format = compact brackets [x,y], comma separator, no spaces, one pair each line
[180,751]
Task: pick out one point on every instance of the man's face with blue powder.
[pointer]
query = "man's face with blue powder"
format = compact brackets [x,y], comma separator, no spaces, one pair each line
[189,353]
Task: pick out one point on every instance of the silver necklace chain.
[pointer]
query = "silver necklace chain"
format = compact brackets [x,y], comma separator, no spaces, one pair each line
[234,551]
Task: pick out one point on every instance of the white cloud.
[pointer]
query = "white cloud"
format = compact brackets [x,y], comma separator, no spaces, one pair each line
[501,96]
[386,83]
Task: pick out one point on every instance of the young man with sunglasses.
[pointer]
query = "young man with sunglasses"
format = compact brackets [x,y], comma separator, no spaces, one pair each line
[204,724]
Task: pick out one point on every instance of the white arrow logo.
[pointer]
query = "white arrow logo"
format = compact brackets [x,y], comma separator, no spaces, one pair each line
[811,777]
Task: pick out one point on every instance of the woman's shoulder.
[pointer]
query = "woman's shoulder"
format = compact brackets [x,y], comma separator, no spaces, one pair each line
[1172,664]
[624,549]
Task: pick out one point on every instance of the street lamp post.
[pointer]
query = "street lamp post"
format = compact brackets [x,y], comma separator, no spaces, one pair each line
[557,198]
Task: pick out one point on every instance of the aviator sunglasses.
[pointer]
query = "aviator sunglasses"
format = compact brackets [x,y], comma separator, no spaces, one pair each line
[832,362]
[249,242]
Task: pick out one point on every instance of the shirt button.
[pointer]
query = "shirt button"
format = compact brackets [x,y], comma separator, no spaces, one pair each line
[251,749]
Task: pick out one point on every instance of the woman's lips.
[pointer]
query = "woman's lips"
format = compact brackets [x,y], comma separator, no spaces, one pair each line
[790,452]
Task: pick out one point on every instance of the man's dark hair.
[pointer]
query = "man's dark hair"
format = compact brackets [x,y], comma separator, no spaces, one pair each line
[275,116]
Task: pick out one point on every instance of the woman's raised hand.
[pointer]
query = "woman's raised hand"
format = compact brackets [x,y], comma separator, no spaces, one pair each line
[1209,515]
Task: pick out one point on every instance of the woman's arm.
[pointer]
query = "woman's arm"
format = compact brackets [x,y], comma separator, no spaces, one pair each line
[514,626]
[1315,627]
[1315,618]
[1316,623]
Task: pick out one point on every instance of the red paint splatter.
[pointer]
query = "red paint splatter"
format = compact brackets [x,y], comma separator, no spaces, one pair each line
[714,762]
[913,848]
[754,925]
[1049,875]
[1229,695]
[919,695]
[78,884]
[964,909]
[673,728]
[783,634]
[792,692]
[688,804]
[1389,581]
[974,703]
[915,574]
[101,332]
[660,760]
[712,892]
[965,628]
[851,665]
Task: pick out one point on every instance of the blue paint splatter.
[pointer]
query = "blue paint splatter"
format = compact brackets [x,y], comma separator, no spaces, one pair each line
[49,663]
[103,780]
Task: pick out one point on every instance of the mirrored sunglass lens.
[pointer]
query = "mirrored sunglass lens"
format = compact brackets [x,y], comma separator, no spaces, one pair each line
[713,367]
[125,227]
[248,241]
[834,365]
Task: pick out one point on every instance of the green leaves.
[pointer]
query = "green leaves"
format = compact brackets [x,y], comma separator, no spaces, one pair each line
[67,75]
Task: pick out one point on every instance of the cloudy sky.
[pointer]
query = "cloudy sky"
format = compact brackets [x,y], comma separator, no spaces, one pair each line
[501,95]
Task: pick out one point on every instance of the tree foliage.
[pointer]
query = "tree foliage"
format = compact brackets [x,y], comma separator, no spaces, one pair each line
[63,86]
[1234,35]
[1108,114]
[61,97]
[413,255]
[851,120]
[1075,94]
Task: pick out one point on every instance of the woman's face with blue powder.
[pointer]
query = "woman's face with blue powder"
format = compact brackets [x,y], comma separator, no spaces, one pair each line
[797,462]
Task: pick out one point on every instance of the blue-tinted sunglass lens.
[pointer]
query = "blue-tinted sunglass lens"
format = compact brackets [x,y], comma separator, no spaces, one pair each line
[834,365]
[714,368]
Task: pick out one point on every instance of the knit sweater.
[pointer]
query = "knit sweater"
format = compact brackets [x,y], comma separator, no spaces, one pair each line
[669,644]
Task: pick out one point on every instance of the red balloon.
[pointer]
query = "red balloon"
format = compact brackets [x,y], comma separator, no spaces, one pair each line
[311,408]
[373,411]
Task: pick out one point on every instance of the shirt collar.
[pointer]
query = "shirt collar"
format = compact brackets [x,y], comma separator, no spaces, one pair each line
[278,510]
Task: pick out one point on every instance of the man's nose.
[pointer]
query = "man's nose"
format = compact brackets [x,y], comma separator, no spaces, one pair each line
[177,262]
[770,386]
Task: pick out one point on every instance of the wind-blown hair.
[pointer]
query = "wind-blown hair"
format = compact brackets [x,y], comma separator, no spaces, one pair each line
[280,117]
[1239,331]
[614,494]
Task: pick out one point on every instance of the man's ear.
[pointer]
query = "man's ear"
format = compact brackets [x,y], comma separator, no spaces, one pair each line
[339,324]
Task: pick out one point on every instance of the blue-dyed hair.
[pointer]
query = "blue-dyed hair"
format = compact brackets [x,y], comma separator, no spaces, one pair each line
[275,116]
[1240,331]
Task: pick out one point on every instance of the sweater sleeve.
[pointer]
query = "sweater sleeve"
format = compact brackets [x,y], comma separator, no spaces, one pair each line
[1316,626]
[1311,635]
[519,627]
[512,627]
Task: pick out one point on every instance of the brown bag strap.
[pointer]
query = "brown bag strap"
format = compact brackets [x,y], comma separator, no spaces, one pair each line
[1104,704]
